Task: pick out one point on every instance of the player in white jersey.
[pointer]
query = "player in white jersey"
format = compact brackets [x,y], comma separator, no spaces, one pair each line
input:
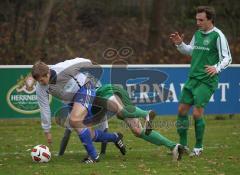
[66,82]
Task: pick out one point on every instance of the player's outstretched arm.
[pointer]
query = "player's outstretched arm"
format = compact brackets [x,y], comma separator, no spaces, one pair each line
[176,38]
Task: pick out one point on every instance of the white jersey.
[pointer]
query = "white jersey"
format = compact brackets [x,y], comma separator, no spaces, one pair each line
[65,80]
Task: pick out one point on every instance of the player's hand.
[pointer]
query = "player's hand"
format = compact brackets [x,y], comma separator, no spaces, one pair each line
[176,38]
[48,136]
[211,70]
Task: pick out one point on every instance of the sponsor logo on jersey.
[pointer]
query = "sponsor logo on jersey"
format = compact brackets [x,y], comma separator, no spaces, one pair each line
[201,48]
[206,41]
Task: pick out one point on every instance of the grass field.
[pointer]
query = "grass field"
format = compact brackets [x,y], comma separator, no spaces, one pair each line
[221,154]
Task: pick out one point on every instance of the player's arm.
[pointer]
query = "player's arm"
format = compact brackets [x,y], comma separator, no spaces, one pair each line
[74,66]
[225,58]
[181,46]
[186,49]
[45,112]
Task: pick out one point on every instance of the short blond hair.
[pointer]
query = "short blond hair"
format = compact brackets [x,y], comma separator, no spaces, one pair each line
[39,69]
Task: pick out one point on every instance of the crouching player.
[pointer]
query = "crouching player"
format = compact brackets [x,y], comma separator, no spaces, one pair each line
[66,82]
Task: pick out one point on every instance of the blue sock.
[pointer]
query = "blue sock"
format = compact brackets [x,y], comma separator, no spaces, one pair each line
[85,137]
[101,136]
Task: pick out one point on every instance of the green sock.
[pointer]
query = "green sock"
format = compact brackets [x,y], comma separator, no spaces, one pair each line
[156,138]
[133,112]
[182,128]
[199,132]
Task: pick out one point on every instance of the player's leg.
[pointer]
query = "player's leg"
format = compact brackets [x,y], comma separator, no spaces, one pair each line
[64,141]
[186,100]
[154,137]
[202,95]
[129,110]
[104,145]
[183,123]
[199,125]
[114,94]
[135,125]
[101,136]
[104,127]
[104,137]
[82,104]
[62,119]
[77,115]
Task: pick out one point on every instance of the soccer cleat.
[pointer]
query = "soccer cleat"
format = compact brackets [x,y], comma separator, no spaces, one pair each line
[196,152]
[119,143]
[186,150]
[89,160]
[177,152]
[149,120]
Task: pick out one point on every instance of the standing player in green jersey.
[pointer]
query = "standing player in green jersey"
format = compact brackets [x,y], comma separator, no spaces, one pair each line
[210,55]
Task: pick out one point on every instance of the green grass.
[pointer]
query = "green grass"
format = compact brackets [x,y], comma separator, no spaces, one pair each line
[221,154]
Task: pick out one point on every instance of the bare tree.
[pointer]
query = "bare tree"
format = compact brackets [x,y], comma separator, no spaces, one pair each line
[44,21]
[155,40]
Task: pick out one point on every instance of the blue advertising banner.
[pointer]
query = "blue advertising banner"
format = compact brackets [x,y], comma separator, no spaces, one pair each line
[146,83]
[150,87]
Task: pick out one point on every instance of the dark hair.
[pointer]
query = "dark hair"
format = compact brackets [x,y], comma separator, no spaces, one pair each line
[210,12]
[39,69]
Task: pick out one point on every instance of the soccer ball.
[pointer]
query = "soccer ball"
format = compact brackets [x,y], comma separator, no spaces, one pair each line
[40,153]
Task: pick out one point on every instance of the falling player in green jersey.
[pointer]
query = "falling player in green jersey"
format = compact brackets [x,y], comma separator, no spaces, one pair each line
[210,54]
[116,101]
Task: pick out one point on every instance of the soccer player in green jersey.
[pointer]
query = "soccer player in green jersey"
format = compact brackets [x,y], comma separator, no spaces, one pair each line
[210,54]
[116,101]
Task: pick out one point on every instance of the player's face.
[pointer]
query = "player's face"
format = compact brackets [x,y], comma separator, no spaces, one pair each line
[44,80]
[202,22]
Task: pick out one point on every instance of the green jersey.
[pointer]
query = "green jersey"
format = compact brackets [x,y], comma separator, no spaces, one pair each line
[207,48]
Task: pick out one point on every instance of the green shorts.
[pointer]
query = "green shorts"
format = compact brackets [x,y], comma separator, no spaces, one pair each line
[108,90]
[196,92]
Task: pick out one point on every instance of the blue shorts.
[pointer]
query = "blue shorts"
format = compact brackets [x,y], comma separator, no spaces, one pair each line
[85,96]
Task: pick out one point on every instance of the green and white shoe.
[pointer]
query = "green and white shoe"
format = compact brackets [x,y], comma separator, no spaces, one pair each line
[186,150]
[149,122]
[196,152]
[177,152]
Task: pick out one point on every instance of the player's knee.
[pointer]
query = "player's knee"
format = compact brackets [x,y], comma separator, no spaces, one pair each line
[196,116]
[73,117]
[74,121]
[197,113]
[136,132]
[183,109]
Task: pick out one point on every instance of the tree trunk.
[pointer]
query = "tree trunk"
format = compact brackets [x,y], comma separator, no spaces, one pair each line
[156,29]
[156,24]
[15,23]
[143,10]
[44,22]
